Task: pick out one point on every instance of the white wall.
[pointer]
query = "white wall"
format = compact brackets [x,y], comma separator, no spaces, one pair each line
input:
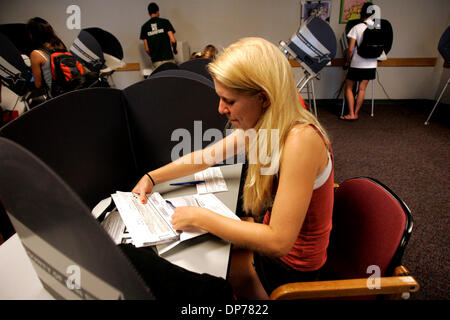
[417,24]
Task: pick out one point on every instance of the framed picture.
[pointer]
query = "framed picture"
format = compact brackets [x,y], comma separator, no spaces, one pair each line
[350,10]
[317,8]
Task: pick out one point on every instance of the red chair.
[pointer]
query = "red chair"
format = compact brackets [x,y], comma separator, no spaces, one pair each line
[371,228]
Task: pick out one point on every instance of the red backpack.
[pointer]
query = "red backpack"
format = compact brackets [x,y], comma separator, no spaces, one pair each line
[67,71]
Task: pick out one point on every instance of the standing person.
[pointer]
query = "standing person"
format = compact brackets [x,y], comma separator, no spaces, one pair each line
[257,92]
[158,36]
[361,69]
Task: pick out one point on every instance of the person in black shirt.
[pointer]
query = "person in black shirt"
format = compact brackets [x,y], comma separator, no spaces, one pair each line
[158,36]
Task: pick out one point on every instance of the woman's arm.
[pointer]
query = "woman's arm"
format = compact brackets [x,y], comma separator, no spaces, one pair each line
[191,163]
[304,157]
[36,62]
[351,46]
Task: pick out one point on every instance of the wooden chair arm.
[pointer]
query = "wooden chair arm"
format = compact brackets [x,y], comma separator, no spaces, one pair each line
[345,288]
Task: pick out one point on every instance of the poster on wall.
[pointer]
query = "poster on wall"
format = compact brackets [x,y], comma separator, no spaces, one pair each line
[316,8]
[350,10]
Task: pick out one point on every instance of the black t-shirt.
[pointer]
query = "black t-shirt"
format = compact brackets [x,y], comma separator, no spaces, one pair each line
[155,32]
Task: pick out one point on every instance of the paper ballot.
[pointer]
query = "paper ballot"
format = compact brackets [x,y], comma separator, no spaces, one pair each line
[208,201]
[214,181]
[149,224]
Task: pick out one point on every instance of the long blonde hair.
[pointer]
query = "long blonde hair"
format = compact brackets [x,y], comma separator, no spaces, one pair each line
[253,65]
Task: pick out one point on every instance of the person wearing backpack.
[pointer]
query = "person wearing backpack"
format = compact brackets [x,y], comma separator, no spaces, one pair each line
[54,69]
[363,62]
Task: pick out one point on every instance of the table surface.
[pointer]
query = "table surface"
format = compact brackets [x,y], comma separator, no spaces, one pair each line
[203,254]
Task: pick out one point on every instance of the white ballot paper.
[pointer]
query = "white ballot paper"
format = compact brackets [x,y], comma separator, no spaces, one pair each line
[115,227]
[149,224]
[214,181]
[208,201]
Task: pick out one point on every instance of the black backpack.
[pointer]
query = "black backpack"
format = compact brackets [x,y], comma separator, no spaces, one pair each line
[372,43]
[67,71]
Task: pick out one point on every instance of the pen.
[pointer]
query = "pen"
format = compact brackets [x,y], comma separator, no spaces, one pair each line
[187,183]
[170,204]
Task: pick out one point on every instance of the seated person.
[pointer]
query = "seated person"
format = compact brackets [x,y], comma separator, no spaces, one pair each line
[292,193]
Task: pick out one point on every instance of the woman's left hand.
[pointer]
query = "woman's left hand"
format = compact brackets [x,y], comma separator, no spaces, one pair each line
[185,218]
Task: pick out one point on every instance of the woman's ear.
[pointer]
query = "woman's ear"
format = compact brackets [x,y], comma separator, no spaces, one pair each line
[265,99]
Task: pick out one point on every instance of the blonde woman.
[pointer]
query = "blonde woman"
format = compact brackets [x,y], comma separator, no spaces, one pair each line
[257,93]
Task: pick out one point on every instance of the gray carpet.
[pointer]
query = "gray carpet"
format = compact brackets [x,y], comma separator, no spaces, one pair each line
[412,159]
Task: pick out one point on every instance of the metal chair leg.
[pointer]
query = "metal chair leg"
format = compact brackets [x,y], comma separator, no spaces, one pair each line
[371,114]
[314,97]
[437,102]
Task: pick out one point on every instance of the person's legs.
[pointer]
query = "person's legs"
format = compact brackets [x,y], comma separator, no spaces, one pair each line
[360,98]
[350,99]
[243,277]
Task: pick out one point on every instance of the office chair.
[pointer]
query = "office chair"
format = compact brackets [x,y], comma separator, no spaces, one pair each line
[313,46]
[371,228]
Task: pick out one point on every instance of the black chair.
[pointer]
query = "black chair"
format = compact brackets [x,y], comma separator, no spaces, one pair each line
[83,136]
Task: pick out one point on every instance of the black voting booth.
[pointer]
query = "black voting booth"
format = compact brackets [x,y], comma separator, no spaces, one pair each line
[91,143]
[100,140]
[444,50]
[99,51]
[313,46]
[17,34]
[198,65]
[14,73]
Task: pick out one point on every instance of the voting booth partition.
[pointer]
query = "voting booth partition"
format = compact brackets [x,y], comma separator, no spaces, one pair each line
[100,140]
[14,73]
[59,233]
[198,66]
[18,35]
[173,117]
[70,152]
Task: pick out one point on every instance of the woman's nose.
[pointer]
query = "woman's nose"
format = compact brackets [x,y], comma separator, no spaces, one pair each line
[222,108]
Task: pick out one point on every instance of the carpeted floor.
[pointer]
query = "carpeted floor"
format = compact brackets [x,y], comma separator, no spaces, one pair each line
[412,159]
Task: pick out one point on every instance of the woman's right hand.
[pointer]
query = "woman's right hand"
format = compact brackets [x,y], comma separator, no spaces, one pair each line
[143,187]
